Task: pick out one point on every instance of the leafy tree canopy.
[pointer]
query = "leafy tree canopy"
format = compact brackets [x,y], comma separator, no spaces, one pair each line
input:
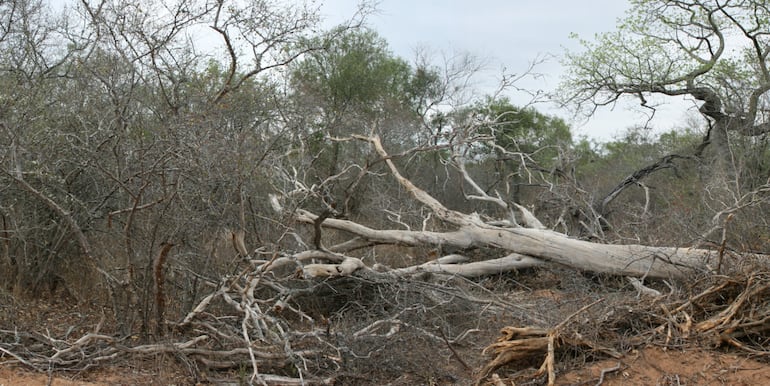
[712,51]
[522,129]
[357,71]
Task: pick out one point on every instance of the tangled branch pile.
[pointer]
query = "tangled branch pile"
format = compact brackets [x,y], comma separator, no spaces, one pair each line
[734,311]
[263,328]
[722,310]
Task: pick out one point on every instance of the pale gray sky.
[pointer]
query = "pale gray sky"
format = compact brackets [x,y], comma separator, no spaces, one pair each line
[510,34]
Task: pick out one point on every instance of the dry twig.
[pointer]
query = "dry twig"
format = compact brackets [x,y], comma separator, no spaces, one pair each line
[528,342]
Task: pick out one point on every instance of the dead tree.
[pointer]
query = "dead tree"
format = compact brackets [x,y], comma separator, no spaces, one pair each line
[523,239]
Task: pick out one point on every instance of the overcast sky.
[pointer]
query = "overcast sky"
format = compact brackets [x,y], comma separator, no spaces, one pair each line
[510,34]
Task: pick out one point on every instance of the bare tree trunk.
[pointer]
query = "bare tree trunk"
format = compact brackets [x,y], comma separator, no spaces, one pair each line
[528,246]
[541,245]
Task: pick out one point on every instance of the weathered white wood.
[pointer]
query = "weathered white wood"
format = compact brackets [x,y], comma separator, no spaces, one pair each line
[542,244]
[630,259]
[532,245]
[474,269]
[345,268]
[642,289]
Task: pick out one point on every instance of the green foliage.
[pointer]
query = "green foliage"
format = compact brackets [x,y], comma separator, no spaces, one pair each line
[522,130]
[714,52]
[638,146]
[671,47]
[357,74]
[679,141]
[353,85]
[355,70]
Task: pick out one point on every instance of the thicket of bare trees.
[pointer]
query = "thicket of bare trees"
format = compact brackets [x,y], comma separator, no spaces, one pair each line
[226,179]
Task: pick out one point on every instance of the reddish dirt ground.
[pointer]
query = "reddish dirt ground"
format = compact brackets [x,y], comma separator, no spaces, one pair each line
[651,366]
[655,366]
[13,376]
[142,374]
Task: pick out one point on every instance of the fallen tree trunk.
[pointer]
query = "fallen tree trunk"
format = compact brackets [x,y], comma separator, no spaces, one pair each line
[458,265]
[541,245]
[531,246]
